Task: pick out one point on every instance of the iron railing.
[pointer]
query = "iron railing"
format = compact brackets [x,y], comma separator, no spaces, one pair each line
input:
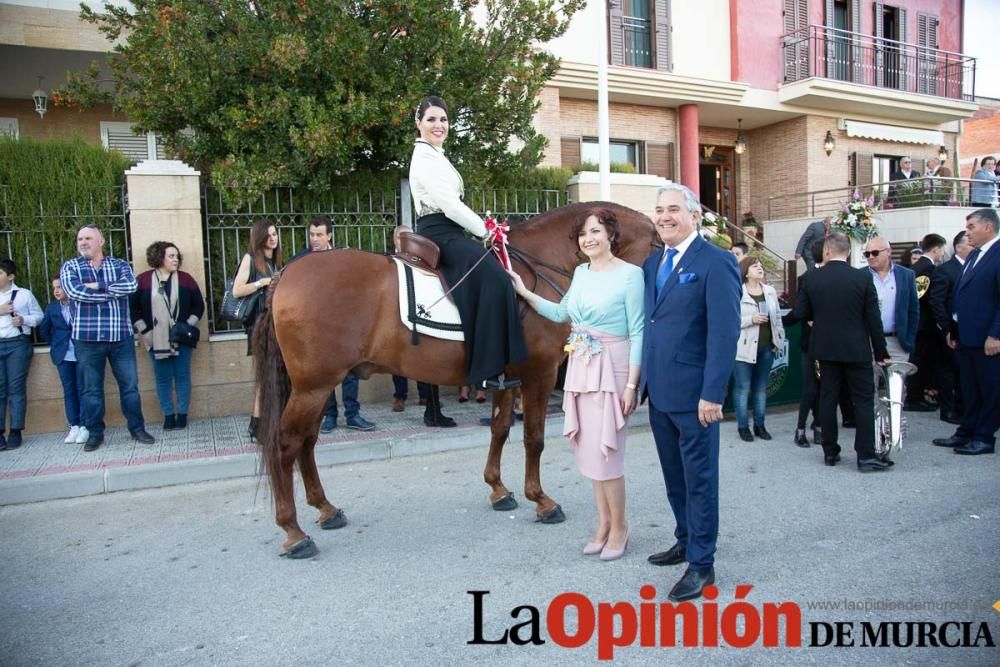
[40,238]
[637,41]
[361,220]
[829,53]
[778,270]
[914,192]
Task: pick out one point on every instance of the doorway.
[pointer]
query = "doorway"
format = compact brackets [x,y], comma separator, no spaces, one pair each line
[717,182]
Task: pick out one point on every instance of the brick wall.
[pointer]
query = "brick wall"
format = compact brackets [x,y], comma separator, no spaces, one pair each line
[777,162]
[59,123]
[547,121]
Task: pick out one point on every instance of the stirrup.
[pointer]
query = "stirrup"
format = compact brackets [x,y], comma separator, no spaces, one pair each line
[499,383]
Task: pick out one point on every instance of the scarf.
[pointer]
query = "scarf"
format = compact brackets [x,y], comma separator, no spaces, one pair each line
[164,316]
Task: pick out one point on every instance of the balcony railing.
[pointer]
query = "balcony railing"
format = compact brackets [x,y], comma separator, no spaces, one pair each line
[829,53]
[637,41]
[910,193]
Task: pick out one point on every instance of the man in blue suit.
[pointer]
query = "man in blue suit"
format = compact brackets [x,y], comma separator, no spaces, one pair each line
[689,349]
[897,300]
[975,337]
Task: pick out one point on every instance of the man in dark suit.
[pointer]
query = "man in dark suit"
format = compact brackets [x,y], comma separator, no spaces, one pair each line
[939,297]
[975,335]
[816,231]
[927,348]
[843,305]
[689,349]
[905,172]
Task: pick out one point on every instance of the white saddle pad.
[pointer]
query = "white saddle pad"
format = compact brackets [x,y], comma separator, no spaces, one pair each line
[421,304]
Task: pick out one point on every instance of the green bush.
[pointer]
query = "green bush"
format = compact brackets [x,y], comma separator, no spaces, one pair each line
[616,167]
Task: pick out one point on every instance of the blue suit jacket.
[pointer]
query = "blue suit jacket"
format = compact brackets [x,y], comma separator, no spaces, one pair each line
[976,300]
[55,331]
[689,343]
[907,307]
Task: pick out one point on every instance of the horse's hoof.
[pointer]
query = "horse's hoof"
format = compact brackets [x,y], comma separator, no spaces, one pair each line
[554,515]
[304,548]
[335,521]
[505,504]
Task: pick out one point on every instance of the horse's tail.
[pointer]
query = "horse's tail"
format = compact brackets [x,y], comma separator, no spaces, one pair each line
[274,386]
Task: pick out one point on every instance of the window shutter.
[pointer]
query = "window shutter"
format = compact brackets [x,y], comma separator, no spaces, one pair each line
[830,39]
[796,51]
[570,147]
[857,55]
[861,169]
[879,44]
[927,44]
[660,159]
[905,66]
[616,41]
[664,36]
[133,146]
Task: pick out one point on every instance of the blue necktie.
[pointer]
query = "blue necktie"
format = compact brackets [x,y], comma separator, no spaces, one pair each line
[969,262]
[666,268]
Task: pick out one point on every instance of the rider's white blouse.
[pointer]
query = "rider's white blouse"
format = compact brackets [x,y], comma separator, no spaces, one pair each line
[437,187]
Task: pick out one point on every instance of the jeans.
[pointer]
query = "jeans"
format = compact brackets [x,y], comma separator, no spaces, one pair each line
[69,376]
[400,386]
[349,387]
[750,380]
[91,357]
[173,372]
[15,357]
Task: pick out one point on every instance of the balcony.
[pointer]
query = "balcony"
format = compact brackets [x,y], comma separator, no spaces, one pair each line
[851,72]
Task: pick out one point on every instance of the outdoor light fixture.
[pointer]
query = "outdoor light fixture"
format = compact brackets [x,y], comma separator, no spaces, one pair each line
[829,143]
[41,98]
[943,154]
[741,141]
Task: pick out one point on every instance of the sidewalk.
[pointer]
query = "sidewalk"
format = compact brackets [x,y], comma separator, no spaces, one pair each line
[44,468]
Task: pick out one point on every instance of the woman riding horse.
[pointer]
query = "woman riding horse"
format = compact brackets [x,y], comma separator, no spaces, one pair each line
[485,299]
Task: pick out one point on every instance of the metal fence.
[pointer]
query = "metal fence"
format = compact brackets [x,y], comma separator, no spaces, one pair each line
[910,193]
[40,240]
[362,220]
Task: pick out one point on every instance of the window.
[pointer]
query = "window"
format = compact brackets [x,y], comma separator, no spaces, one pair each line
[136,147]
[639,34]
[8,127]
[621,151]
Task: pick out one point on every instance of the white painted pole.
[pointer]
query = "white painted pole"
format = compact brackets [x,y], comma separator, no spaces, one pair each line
[603,132]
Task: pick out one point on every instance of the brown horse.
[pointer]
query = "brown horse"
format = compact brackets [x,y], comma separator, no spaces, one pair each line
[334,312]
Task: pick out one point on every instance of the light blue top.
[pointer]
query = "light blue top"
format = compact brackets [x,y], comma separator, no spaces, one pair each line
[607,301]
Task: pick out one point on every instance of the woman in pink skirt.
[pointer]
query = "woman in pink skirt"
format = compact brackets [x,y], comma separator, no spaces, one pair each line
[605,305]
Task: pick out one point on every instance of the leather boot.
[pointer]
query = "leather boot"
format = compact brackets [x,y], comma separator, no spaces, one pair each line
[432,411]
[252,428]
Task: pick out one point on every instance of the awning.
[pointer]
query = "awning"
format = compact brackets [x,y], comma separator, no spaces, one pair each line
[907,135]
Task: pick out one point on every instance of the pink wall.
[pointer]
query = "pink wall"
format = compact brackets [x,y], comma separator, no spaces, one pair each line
[756,28]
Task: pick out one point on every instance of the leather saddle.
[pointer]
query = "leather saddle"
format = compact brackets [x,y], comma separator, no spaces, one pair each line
[419,252]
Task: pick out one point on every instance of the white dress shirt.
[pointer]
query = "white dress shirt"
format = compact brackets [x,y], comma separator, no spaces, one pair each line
[26,306]
[681,248]
[982,251]
[437,187]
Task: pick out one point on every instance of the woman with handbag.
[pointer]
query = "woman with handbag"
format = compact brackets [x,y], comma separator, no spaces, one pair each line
[165,311]
[258,266]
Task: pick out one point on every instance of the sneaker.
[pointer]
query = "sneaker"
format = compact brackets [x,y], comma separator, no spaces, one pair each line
[329,423]
[72,436]
[359,423]
[82,436]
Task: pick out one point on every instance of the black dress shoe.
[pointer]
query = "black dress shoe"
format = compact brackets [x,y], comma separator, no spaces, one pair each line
[953,441]
[691,585]
[14,439]
[3,442]
[800,438]
[873,465]
[672,556]
[973,448]
[140,435]
[817,435]
[169,423]
[93,442]
[182,421]
[831,459]
[761,432]
[919,406]
[745,434]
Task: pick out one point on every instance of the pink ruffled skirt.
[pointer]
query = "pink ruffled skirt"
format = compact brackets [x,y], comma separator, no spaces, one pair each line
[595,424]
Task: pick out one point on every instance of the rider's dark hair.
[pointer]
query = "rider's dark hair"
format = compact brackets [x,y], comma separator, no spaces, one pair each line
[427,103]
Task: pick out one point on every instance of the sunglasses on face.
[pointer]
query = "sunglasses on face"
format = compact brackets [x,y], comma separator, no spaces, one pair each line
[872,253]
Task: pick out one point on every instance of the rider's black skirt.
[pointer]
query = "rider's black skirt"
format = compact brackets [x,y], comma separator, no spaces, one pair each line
[486,300]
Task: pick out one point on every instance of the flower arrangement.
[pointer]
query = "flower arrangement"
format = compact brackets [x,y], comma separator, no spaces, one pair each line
[855,218]
[582,344]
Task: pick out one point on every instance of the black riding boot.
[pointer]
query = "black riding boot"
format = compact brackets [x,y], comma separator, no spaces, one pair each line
[432,411]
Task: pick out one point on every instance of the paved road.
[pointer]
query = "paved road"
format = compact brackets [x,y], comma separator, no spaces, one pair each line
[189,575]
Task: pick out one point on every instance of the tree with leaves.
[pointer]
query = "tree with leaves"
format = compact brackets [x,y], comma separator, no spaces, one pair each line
[265,93]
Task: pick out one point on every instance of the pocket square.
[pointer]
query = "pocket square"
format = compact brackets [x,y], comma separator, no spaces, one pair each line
[685,278]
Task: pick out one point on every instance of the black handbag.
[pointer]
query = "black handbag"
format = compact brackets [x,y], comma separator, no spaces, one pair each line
[182,333]
[237,309]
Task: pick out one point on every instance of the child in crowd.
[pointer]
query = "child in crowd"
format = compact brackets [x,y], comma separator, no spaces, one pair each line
[57,329]
[19,312]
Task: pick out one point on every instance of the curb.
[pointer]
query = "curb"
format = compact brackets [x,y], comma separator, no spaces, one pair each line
[132,478]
